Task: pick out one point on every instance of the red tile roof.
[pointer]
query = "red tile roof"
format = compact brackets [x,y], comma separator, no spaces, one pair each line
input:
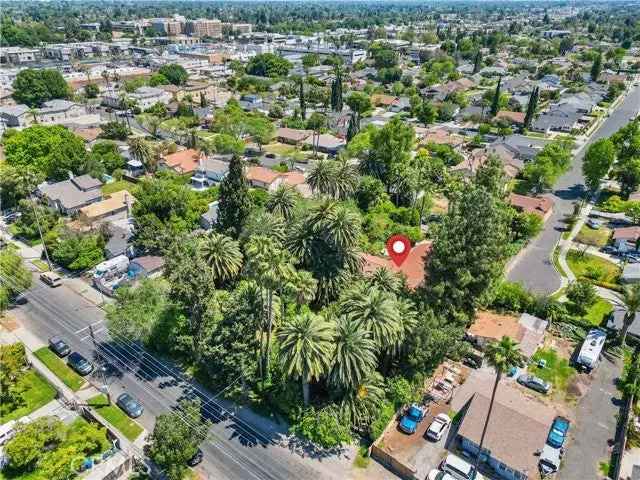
[626,233]
[184,161]
[514,117]
[538,205]
[412,268]
[262,175]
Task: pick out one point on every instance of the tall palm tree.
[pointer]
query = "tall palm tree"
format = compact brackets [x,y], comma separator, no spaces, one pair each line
[222,255]
[354,355]
[631,301]
[362,403]
[140,150]
[283,201]
[502,356]
[322,177]
[305,348]
[386,280]
[375,311]
[346,178]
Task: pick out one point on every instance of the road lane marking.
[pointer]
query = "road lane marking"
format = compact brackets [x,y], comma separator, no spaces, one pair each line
[602,425]
[87,327]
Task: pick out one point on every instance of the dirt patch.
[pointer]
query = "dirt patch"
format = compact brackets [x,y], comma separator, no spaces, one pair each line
[9,322]
[578,385]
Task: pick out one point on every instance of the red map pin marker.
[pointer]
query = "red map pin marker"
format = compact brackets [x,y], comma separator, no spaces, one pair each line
[398,248]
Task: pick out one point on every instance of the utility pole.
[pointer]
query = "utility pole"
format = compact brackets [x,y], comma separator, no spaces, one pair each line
[105,385]
[44,246]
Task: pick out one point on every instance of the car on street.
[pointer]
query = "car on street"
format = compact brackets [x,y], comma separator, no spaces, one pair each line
[411,419]
[558,432]
[59,346]
[20,299]
[196,459]
[438,426]
[534,383]
[594,224]
[80,364]
[439,475]
[51,278]
[129,405]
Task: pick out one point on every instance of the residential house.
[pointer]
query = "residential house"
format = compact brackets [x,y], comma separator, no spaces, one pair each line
[183,161]
[261,177]
[441,136]
[514,118]
[120,235]
[16,116]
[512,164]
[146,266]
[145,97]
[489,327]
[561,119]
[210,170]
[327,143]
[541,206]
[292,136]
[381,100]
[550,82]
[412,269]
[518,431]
[626,239]
[194,89]
[69,196]
[630,273]
[115,206]
[250,102]
[58,111]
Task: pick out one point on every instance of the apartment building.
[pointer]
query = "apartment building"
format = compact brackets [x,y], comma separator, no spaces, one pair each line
[204,27]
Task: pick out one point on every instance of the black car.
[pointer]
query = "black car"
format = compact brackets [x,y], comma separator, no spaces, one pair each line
[196,459]
[59,346]
[80,364]
[130,405]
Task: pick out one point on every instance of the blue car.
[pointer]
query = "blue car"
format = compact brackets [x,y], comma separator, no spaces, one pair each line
[558,433]
[411,419]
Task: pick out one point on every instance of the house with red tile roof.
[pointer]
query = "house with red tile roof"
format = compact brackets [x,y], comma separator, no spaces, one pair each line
[542,206]
[412,268]
[626,238]
[183,161]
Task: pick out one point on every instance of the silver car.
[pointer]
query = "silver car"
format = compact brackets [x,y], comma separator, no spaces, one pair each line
[534,383]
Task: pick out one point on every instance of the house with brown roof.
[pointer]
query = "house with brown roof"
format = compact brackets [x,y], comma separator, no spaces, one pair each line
[270,180]
[542,206]
[515,118]
[292,136]
[115,206]
[412,268]
[517,432]
[626,238]
[512,165]
[183,161]
[381,100]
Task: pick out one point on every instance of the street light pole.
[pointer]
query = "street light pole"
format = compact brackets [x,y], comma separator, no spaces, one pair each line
[105,388]
[44,246]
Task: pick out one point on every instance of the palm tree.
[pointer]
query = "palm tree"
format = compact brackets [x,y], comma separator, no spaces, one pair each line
[346,178]
[631,301]
[354,355]
[283,201]
[322,177]
[305,348]
[362,403]
[502,356]
[263,223]
[373,310]
[222,255]
[140,150]
[386,279]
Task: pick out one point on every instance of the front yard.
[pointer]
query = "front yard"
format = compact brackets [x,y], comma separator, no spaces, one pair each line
[116,417]
[109,188]
[36,393]
[592,267]
[598,312]
[70,378]
[597,238]
[556,370]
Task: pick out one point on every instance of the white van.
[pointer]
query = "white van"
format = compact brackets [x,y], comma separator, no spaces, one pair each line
[458,468]
[51,278]
[7,431]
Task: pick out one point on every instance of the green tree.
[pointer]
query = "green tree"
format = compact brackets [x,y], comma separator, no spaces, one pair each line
[91,90]
[174,73]
[354,354]
[597,162]
[222,255]
[359,103]
[324,427]
[305,348]
[596,67]
[491,176]
[502,356]
[13,366]
[582,295]
[268,65]
[16,276]
[426,112]
[17,183]
[336,90]
[115,131]
[531,107]
[235,204]
[53,151]
[283,201]
[176,437]
[477,62]
[33,87]
[140,150]
[495,104]
[631,302]
[261,130]
[30,439]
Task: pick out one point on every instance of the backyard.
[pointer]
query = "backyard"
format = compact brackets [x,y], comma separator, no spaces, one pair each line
[598,312]
[36,392]
[70,378]
[116,417]
[109,188]
[556,370]
[592,267]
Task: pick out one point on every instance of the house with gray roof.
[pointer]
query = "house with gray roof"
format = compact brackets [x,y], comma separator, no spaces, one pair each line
[16,116]
[71,195]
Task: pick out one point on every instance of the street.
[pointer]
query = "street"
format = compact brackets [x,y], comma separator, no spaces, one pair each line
[534,267]
[241,445]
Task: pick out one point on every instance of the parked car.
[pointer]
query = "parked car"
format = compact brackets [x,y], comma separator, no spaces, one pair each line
[130,405]
[610,249]
[51,278]
[438,427]
[20,299]
[411,419]
[594,224]
[458,468]
[558,432]
[79,364]
[439,475]
[534,383]
[549,461]
[196,459]
[59,346]
[632,257]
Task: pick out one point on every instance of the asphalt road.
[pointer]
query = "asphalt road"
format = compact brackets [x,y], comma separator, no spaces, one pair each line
[534,268]
[242,446]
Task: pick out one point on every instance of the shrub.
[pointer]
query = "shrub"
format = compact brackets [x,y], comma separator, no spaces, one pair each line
[512,297]
[582,294]
[381,421]
[323,427]
[400,391]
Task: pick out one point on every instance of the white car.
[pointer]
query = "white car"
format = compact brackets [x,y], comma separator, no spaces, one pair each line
[439,475]
[438,427]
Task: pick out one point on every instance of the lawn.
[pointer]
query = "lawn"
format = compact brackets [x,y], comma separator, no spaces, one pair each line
[596,238]
[116,417]
[279,148]
[592,267]
[557,371]
[109,188]
[598,312]
[36,393]
[41,265]
[70,378]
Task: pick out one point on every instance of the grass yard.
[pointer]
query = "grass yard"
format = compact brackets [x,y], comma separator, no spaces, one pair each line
[557,371]
[37,392]
[40,265]
[279,148]
[592,267]
[598,312]
[109,188]
[70,378]
[116,417]
[596,238]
